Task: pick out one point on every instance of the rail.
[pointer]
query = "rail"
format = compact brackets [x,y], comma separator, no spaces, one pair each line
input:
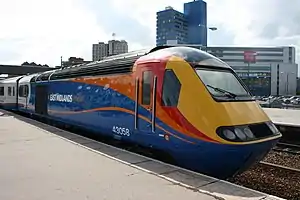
[281,167]
[287,147]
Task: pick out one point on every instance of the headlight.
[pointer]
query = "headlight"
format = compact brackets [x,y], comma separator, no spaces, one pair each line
[240,134]
[236,134]
[246,133]
[229,134]
[272,126]
[249,133]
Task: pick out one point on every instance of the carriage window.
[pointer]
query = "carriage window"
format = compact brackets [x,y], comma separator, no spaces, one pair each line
[146,87]
[1,91]
[171,89]
[13,91]
[9,91]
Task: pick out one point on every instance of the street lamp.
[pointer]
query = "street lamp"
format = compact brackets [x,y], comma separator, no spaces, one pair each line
[213,28]
[210,28]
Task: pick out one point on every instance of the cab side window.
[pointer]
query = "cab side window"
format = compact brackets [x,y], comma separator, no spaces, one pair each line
[171,89]
[146,87]
[23,91]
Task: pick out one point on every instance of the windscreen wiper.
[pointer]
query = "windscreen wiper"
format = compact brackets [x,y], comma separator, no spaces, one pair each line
[227,93]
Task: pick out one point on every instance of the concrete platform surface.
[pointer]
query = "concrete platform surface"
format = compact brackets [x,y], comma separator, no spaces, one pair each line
[38,161]
[288,117]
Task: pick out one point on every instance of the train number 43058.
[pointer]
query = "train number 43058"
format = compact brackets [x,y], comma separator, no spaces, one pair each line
[121,131]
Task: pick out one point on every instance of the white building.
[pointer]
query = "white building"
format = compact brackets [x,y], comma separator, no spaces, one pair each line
[116,47]
[284,78]
[100,51]
[113,47]
[266,70]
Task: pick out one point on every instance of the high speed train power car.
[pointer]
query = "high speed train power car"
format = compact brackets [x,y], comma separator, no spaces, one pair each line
[179,100]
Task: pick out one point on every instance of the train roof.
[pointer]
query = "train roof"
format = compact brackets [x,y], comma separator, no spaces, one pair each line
[11,80]
[194,56]
[26,79]
[123,63]
[44,76]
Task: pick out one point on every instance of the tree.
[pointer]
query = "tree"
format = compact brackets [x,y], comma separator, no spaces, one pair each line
[34,64]
[25,63]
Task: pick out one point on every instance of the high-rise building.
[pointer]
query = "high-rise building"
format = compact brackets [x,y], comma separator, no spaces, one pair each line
[171,25]
[100,51]
[195,13]
[113,47]
[190,27]
[116,47]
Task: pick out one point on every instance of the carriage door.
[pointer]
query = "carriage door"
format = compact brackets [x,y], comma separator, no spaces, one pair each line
[41,99]
[146,96]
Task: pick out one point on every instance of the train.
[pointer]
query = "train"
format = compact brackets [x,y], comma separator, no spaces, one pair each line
[178,100]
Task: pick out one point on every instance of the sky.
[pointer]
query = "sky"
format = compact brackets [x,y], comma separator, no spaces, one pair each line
[42,31]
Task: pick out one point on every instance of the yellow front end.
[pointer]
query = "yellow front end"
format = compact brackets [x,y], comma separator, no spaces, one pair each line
[199,107]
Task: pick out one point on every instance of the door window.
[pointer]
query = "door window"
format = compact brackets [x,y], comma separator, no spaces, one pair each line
[146,87]
[9,91]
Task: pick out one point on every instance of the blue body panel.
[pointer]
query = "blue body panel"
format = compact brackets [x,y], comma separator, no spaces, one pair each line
[84,109]
[8,106]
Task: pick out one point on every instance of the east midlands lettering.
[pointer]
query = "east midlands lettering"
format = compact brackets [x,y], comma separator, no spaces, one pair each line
[61,97]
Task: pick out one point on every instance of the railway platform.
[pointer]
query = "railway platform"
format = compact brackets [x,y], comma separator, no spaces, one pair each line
[284,117]
[39,161]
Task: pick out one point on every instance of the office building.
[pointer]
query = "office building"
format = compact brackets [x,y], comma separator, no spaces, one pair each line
[265,70]
[190,27]
[298,86]
[196,16]
[171,25]
[113,47]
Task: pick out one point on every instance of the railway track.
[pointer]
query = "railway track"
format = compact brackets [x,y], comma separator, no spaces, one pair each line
[275,179]
[278,175]
[287,147]
[279,167]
